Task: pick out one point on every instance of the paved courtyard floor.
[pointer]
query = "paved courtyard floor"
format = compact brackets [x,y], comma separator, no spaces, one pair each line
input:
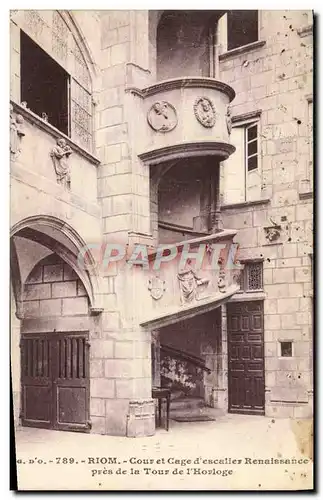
[216,455]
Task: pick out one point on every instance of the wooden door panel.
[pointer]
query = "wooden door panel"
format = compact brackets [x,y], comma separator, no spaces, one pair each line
[256,322]
[72,407]
[244,323]
[72,383]
[36,382]
[55,380]
[246,357]
[37,405]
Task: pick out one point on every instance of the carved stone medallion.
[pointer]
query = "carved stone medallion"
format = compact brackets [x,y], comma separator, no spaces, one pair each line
[204,112]
[162,116]
[156,286]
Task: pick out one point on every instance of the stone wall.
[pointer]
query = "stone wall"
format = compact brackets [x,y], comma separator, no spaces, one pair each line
[277,79]
[123,191]
[53,289]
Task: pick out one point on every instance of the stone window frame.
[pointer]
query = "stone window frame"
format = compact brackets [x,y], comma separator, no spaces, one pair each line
[222,36]
[81,105]
[279,343]
[246,121]
[244,276]
[306,187]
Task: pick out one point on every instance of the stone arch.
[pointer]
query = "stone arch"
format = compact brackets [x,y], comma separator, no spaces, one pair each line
[60,238]
[76,30]
[154,17]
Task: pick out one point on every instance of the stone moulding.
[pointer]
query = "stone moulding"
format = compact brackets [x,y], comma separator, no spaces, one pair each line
[219,149]
[241,50]
[225,234]
[193,309]
[179,83]
[252,115]
[29,228]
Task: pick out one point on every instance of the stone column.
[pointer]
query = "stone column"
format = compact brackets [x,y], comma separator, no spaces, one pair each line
[122,384]
[221,391]
[155,349]
[15,361]
[216,222]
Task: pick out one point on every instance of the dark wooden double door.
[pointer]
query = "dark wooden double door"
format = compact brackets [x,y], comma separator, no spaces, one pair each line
[55,381]
[246,357]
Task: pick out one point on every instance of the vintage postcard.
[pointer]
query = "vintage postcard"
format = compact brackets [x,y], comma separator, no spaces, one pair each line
[161,254]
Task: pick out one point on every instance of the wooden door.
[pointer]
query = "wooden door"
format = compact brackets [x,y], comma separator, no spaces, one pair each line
[55,381]
[246,357]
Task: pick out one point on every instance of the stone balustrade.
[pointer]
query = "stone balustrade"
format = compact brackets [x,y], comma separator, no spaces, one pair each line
[185,279]
[182,117]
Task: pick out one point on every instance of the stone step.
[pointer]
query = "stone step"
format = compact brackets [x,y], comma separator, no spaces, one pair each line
[197,413]
[186,403]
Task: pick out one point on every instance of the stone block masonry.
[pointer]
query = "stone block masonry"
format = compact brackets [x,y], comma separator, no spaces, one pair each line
[276,79]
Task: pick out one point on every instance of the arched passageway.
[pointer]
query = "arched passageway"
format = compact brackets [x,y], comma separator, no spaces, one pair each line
[52,297]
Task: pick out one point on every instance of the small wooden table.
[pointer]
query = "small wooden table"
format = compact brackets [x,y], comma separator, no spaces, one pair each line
[161,393]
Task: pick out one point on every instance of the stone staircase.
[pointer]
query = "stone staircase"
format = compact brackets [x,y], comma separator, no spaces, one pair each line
[192,409]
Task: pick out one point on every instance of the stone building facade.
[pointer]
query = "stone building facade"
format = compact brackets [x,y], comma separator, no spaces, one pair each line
[135,129]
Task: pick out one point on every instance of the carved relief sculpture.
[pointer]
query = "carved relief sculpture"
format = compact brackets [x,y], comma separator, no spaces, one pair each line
[272,232]
[60,154]
[16,133]
[221,282]
[156,286]
[189,284]
[204,112]
[228,118]
[162,117]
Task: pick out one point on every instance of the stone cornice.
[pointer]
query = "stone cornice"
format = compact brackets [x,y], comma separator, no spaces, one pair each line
[224,234]
[186,150]
[245,204]
[182,83]
[174,315]
[53,131]
[178,228]
[242,50]
[252,115]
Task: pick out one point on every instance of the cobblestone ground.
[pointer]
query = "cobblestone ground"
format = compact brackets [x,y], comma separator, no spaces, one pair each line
[169,460]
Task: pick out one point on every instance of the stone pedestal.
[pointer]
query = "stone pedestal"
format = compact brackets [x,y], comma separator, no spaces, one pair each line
[141,418]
